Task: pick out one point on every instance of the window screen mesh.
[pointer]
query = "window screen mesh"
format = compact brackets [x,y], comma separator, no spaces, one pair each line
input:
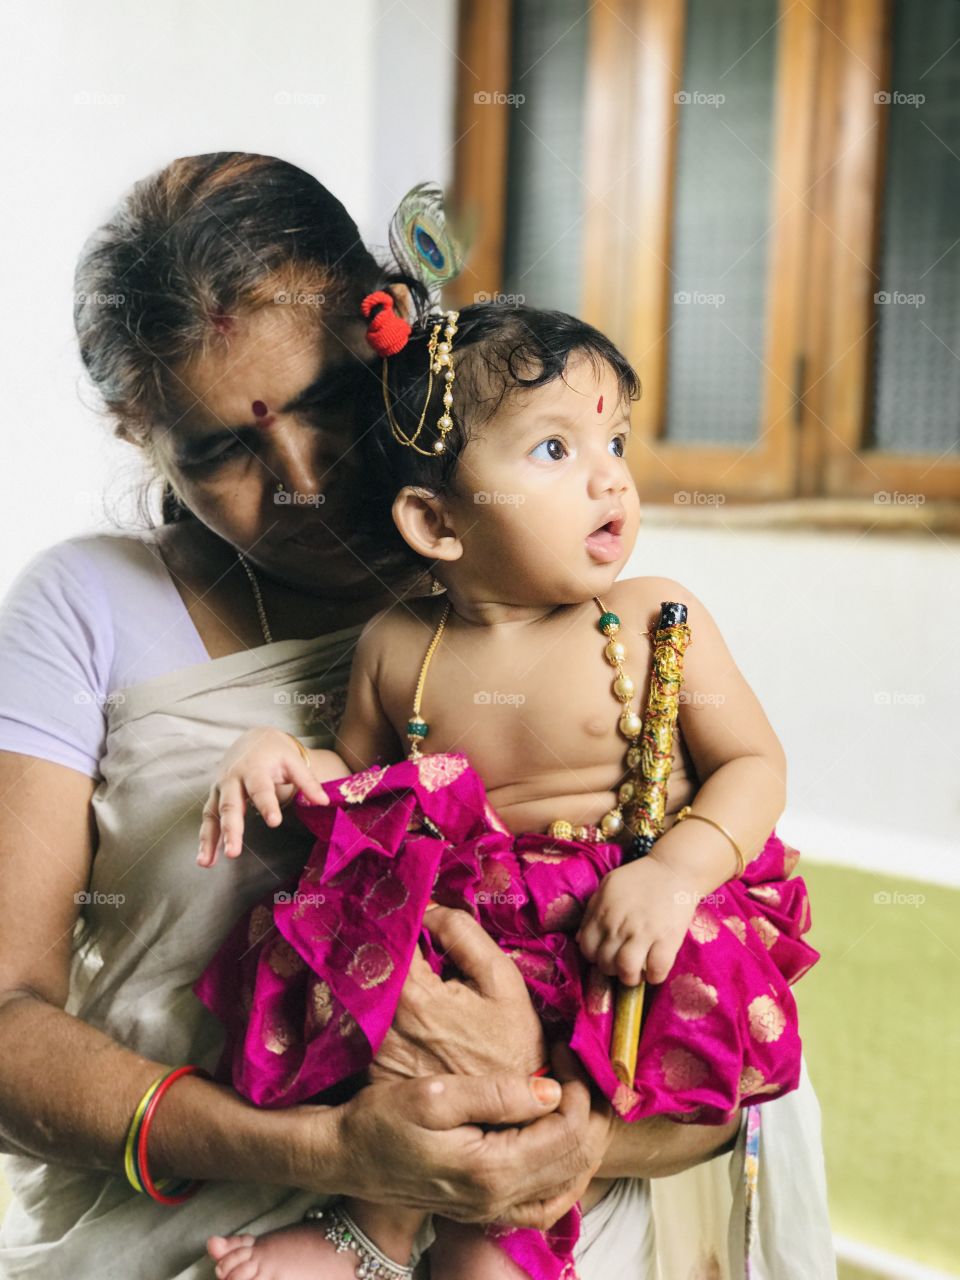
[721,222]
[543,253]
[916,375]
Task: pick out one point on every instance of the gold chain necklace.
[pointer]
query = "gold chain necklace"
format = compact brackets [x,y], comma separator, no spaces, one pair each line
[630,725]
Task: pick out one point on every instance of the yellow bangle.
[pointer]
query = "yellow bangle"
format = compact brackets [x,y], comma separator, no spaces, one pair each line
[129,1166]
[687,812]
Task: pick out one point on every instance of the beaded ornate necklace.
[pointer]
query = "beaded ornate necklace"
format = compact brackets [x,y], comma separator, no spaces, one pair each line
[630,725]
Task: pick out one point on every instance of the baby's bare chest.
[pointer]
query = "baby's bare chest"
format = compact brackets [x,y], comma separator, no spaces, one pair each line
[546,709]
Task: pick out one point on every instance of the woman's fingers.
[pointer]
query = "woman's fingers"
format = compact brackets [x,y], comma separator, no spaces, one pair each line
[542,1214]
[463,942]
[446,1102]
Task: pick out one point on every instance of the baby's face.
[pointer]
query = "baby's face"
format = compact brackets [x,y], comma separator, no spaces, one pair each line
[545,498]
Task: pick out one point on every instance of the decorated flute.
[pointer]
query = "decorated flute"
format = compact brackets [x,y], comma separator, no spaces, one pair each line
[644,812]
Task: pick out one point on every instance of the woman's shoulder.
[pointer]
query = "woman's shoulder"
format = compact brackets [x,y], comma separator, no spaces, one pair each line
[93,556]
[111,594]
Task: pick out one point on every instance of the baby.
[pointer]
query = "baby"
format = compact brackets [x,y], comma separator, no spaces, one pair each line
[501,458]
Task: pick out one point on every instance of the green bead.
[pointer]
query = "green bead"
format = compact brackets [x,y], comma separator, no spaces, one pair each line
[417,728]
[609,624]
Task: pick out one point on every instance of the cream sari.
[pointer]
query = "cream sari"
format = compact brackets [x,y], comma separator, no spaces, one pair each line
[154,920]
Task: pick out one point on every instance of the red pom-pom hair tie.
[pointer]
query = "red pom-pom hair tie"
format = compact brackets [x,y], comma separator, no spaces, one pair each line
[387,332]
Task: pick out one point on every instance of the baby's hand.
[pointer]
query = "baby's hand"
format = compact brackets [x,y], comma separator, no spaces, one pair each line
[265,766]
[634,924]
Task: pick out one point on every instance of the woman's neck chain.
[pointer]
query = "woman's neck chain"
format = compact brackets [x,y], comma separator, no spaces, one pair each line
[257,597]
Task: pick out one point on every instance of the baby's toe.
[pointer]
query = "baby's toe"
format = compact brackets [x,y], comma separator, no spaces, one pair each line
[230,1266]
[217,1246]
[248,1270]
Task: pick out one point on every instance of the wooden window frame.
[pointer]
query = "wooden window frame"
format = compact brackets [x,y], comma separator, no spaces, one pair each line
[826,193]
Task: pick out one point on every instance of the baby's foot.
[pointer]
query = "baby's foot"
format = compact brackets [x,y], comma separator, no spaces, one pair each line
[291,1253]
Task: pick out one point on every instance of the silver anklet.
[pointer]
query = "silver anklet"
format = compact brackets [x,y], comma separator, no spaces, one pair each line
[344,1234]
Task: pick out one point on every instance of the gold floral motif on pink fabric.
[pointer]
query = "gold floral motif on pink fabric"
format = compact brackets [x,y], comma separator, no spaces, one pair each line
[321,1004]
[790,859]
[277,1038]
[356,788]
[703,927]
[539,968]
[386,896]
[544,855]
[767,932]
[765,893]
[766,1019]
[753,1081]
[599,992]
[436,771]
[682,1069]
[283,960]
[562,913]
[494,875]
[261,922]
[370,966]
[692,997]
[625,1099]
[736,927]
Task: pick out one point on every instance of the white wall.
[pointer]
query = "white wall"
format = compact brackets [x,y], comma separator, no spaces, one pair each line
[97,93]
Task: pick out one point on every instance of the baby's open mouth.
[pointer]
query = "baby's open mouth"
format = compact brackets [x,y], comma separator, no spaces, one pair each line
[605,544]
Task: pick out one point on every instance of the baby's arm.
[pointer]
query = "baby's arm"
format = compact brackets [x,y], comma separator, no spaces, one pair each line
[637,919]
[366,735]
[266,767]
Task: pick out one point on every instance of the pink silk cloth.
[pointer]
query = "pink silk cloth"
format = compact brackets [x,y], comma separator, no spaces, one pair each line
[307,982]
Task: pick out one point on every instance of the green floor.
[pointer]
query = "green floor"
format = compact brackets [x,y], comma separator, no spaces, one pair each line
[880,1030]
[879,1022]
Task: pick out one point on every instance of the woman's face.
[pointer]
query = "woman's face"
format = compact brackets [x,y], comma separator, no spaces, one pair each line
[263,451]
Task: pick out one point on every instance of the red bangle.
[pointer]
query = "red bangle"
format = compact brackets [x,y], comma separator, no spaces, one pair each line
[542,1071]
[184,1190]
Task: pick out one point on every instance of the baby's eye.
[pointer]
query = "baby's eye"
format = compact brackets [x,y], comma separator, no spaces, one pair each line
[555,449]
[618,446]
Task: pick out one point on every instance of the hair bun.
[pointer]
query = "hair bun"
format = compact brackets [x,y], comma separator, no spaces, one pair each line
[387,332]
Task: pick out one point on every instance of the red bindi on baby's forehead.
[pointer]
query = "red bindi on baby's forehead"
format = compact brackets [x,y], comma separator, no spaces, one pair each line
[600,405]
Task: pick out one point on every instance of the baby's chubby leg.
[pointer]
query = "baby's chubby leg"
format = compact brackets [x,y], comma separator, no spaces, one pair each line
[299,1252]
[461,1250]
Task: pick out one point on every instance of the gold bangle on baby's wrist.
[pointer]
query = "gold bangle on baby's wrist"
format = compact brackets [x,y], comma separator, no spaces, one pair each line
[301,748]
[687,812]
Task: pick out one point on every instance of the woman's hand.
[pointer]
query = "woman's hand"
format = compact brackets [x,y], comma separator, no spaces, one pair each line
[266,767]
[481,1026]
[418,1143]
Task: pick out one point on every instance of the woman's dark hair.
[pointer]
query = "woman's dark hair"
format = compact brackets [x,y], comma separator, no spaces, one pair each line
[499,351]
[202,239]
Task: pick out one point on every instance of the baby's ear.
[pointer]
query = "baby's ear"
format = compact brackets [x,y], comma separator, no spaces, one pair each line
[425,524]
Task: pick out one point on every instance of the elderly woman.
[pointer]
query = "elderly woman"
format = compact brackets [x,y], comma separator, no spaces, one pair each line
[219,317]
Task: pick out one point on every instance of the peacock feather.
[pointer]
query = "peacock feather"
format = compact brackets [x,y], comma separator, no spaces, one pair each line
[421,239]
